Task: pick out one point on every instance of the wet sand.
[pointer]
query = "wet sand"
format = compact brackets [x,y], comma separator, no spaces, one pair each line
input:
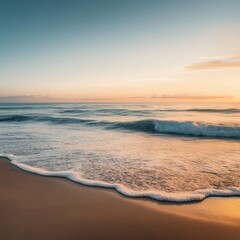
[37,207]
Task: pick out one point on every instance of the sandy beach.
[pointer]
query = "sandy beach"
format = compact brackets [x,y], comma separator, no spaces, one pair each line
[119,120]
[36,207]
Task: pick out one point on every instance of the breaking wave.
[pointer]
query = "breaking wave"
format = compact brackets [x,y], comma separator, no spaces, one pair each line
[185,128]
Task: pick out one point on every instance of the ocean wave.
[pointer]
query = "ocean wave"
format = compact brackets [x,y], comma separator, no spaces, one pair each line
[176,197]
[203,110]
[198,129]
[185,128]
[75,111]
[117,111]
[14,107]
[39,118]
[147,112]
[123,112]
[211,110]
[14,118]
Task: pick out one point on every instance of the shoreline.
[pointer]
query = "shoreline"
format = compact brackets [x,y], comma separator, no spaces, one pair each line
[38,207]
[163,197]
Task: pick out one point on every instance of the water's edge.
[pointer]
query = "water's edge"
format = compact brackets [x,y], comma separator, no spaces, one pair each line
[183,197]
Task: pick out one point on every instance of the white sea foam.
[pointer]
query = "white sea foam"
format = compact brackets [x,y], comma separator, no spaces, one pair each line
[198,129]
[177,197]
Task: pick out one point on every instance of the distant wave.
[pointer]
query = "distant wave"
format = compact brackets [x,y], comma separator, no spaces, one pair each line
[145,112]
[16,108]
[116,111]
[39,118]
[177,197]
[185,128]
[75,111]
[10,107]
[210,110]
[204,110]
[14,118]
[109,112]
[124,112]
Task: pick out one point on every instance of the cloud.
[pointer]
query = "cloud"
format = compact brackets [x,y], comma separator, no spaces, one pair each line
[193,97]
[164,98]
[184,97]
[29,98]
[43,99]
[221,63]
[95,99]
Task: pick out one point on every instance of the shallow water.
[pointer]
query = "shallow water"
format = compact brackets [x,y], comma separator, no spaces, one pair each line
[174,152]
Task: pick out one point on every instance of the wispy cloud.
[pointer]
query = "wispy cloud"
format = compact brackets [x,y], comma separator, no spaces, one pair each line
[29,98]
[163,97]
[220,63]
[95,99]
[42,99]
[193,97]
[184,97]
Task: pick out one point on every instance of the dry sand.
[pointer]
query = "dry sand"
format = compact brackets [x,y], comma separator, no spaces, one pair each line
[37,207]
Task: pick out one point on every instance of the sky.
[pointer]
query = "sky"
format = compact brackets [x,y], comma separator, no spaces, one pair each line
[119,50]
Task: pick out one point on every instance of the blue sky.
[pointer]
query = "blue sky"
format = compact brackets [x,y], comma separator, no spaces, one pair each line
[119,50]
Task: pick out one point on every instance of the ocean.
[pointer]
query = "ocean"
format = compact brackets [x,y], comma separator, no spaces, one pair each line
[166,151]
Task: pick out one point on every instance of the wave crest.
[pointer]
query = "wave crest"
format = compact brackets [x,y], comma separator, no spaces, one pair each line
[198,129]
[185,128]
